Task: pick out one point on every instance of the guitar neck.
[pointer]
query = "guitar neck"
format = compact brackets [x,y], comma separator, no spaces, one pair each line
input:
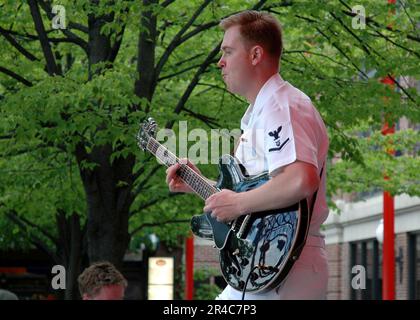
[194,180]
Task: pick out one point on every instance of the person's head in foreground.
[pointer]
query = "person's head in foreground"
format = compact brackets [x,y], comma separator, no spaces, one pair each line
[102,281]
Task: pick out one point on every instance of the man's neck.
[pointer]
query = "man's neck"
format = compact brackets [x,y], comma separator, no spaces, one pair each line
[258,84]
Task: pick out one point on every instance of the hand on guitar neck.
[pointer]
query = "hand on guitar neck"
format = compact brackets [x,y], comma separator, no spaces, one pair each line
[175,182]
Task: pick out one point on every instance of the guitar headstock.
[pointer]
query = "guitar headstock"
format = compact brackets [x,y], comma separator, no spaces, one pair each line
[147,130]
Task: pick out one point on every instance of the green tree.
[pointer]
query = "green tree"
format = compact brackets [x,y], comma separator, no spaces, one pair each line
[72,179]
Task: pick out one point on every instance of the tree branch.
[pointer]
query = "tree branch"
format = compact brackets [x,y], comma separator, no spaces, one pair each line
[15,44]
[153,202]
[33,238]
[177,38]
[16,76]
[222,89]
[116,47]
[43,231]
[178,73]
[396,44]
[316,54]
[43,39]
[78,26]
[401,88]
[8,136]
[364,46]
[194,81]
[179,63]
[145,180]
[370,21]
[166,3]
[209,121]
[197,30]
[343,53]
[413,24]
[334,44]
[306,18]
[32,37]
[46,6]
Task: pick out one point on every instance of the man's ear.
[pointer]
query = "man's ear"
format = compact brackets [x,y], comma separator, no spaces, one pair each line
[257,53]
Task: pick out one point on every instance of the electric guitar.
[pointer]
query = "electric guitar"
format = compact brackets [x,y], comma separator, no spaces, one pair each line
[257,250]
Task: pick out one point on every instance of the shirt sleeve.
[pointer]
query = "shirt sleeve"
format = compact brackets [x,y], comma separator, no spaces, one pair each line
[288,139]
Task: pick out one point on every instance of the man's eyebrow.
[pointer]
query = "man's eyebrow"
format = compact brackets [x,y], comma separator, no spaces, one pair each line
[225,47]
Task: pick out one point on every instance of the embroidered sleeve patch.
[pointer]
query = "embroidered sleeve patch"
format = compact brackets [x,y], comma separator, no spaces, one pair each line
[279,143]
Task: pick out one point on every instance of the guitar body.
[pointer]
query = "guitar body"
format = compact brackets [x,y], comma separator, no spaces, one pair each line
[259,249]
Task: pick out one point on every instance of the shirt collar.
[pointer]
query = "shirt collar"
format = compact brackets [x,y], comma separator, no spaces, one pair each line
[274,82]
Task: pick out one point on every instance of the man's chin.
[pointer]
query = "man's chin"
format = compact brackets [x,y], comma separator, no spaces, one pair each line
[229,88]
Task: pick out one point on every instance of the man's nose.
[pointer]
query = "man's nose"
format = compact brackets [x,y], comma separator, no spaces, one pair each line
[221,63]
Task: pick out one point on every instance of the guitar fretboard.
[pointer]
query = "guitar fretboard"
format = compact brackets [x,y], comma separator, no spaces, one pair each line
[192,178]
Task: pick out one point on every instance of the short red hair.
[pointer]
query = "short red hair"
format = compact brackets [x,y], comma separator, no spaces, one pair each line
[258,28]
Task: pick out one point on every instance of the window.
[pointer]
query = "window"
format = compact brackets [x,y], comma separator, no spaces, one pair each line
[367,254]
[414,266]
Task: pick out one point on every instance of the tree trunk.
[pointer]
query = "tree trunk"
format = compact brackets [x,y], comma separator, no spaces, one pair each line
[74,259]
[146,84]
[109,199]
[70,250]
[108,185]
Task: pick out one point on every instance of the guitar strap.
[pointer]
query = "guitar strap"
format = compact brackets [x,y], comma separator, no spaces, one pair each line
[316,192]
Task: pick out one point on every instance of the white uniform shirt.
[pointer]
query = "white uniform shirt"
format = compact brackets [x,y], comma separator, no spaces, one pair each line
[281,127]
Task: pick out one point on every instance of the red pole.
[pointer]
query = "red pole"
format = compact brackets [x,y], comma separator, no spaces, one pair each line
[388,256]
[388,265]
[189,267]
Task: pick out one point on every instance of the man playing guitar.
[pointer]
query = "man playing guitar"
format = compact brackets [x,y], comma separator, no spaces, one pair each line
[283,134]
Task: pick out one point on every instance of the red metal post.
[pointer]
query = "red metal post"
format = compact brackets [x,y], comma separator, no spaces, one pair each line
[189,267]
[388,255]
[388,265]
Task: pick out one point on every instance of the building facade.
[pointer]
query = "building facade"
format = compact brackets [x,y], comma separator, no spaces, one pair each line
[352,244]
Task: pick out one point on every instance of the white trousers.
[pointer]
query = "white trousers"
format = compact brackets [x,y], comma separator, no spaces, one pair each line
[307,280]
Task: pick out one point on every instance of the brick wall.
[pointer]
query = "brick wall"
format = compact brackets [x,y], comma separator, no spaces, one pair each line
[339,271]
[334,268]
[340,275]
[345,271]
[205,256]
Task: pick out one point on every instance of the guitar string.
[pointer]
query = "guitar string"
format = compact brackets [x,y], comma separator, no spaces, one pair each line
[198,183]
